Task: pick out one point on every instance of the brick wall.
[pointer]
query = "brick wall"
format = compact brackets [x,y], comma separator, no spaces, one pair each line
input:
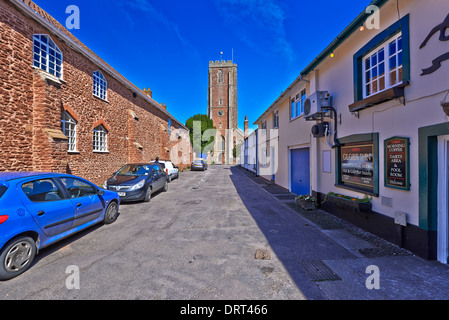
[32,106]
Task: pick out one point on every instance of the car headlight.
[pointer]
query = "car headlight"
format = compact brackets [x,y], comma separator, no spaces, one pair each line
[138,185]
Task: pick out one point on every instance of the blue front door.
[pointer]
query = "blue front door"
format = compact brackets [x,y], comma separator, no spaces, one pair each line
[300,171]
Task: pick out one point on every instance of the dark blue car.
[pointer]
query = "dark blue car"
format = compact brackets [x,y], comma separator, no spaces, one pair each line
[39,209]
[138,181]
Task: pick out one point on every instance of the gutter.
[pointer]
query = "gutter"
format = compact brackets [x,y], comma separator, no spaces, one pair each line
[297,80]
[353,26]
[72,44]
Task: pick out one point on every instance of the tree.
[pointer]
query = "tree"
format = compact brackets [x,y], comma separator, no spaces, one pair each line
[202,133]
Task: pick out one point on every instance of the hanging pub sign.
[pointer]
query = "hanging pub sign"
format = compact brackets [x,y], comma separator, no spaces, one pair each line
[397,167]
[357,166]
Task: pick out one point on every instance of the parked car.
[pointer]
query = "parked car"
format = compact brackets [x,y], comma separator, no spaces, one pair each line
[170,169]
[137,181]
[198,165]
[39,209]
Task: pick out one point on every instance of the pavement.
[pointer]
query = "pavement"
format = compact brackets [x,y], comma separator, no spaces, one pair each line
[346,269]
[225,234]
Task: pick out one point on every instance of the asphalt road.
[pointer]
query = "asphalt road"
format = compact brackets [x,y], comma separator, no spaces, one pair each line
[196,241]
[225,235]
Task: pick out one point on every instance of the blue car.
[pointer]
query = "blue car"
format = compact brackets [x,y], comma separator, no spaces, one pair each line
[39,209]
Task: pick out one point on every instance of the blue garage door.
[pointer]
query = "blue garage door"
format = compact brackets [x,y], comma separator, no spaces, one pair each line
[300,171]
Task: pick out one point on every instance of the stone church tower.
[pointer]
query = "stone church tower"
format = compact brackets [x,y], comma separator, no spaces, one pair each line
[222,109]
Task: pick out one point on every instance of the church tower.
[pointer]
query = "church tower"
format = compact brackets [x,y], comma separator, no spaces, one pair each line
[222,107]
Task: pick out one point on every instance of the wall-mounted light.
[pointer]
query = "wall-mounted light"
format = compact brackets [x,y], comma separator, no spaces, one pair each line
[332,55]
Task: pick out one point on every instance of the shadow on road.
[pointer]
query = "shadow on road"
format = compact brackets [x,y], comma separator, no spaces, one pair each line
[291,238]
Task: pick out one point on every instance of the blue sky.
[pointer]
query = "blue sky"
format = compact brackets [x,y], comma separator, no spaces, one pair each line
[167,44]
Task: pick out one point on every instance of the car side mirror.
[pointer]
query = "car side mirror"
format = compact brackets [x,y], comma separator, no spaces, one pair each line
[100,192]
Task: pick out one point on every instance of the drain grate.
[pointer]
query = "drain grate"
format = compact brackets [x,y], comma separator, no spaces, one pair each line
[318,271]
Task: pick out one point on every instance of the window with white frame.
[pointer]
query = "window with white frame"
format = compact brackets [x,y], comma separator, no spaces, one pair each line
[382,68]
[264,127]
[46,55]
[264,157]
[100,143]
[100,87]
[69,129]
[276,119]
[297,104]
[293,109]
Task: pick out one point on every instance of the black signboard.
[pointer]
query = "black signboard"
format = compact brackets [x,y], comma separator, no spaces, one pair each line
[357,166]
[397,169]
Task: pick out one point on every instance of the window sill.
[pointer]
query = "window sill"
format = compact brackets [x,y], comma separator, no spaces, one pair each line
[396,92]
[48,76]
[73,152]
[95,151]
[296,118]
[373,194]
[101,99]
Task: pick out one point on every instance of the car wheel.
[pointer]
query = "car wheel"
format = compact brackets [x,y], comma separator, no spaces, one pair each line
[148,195]
[165,189]
[169,178]
[16,257]
[111,213]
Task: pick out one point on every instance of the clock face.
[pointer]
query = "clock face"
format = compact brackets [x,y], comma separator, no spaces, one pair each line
[220,113]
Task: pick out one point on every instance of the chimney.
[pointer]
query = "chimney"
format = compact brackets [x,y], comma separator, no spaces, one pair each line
[164,106]
[245,126]
[148,92]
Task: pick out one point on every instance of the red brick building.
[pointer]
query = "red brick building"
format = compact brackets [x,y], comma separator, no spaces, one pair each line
[64,109]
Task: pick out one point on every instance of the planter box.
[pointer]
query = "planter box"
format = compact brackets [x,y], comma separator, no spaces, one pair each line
[346,204]
[307,204]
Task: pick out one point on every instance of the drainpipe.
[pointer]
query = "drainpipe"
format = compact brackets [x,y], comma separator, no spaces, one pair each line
[334,115]
[257,152]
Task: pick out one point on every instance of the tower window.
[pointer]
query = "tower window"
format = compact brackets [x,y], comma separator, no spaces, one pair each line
[220,76]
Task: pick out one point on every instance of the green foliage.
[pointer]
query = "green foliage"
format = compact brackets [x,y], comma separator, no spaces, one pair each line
[365,199]
[197,136]
[306,197]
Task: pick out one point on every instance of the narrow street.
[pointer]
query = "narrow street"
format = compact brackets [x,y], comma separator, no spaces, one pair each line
[224,234]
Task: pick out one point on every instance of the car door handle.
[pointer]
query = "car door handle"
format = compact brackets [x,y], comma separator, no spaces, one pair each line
[40,213]
[78,205]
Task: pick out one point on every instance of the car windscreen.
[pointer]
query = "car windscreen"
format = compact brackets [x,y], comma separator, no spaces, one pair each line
[2,190]
[197,162]
[135,170]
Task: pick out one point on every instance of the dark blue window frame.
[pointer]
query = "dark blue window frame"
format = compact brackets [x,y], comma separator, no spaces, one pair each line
[403,26]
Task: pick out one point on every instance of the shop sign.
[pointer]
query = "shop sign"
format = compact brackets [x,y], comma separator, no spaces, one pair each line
[357,166]
[397,167]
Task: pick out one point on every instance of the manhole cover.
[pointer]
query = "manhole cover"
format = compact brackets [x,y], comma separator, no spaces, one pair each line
[317,270]
[262,254]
